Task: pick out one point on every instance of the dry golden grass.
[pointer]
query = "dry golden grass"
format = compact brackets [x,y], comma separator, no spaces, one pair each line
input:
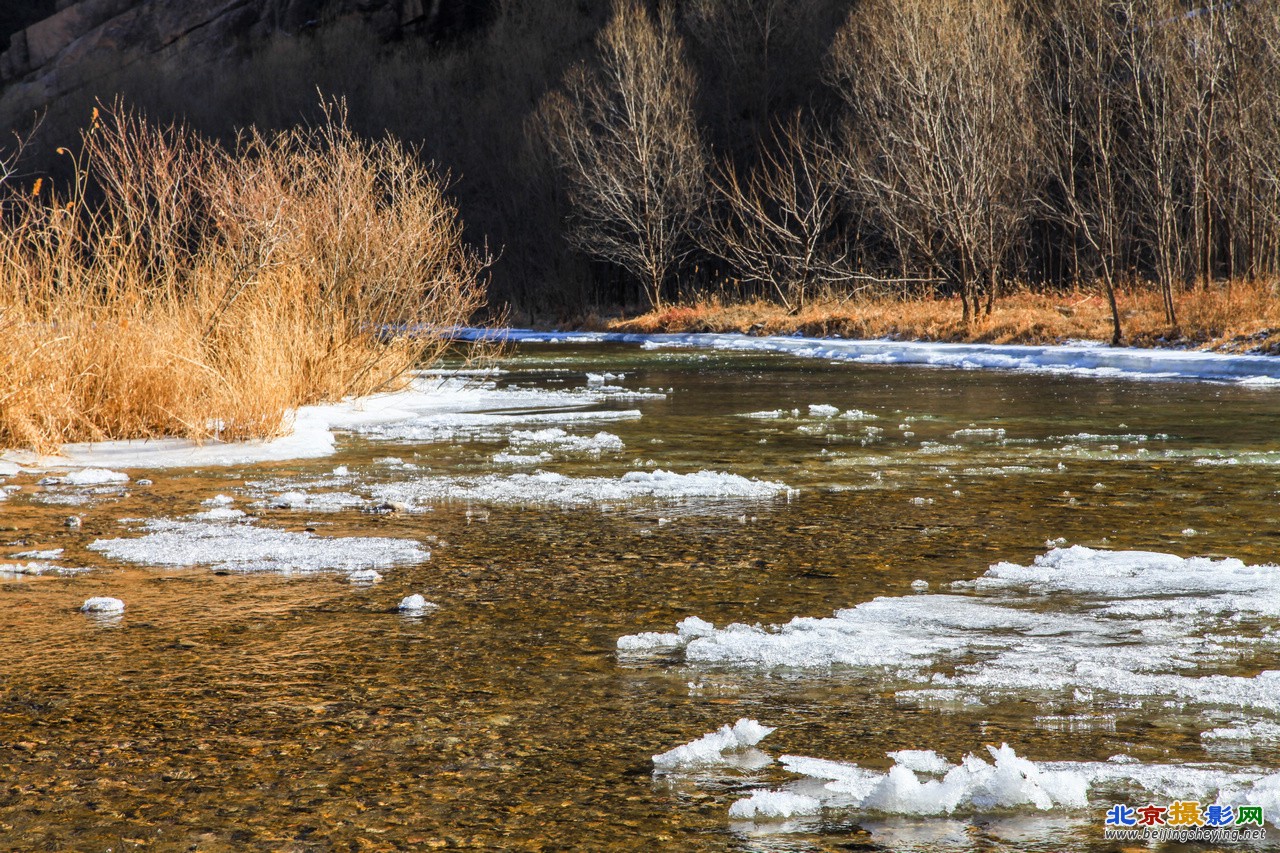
[1235,317]
[180,288]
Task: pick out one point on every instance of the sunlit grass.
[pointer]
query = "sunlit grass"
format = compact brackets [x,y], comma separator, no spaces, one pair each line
[177,287]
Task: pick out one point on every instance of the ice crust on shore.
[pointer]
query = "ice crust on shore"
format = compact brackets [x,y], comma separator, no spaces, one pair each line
[544,487]
[710,749]
[1076,359]
[245,547]
[431,408]
[1065,625]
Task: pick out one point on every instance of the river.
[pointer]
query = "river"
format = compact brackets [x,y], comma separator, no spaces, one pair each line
[254,696]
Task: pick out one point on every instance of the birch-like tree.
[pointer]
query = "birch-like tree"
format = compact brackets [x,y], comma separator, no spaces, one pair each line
[624,135]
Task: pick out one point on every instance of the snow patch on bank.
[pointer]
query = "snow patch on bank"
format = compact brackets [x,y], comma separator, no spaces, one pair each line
[430,408]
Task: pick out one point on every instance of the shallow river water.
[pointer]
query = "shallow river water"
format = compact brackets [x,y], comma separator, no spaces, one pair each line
[253,697]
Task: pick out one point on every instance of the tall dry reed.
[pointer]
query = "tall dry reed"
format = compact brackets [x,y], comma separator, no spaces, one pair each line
[178,287]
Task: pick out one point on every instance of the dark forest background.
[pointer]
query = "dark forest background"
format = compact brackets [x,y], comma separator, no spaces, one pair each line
[848,146]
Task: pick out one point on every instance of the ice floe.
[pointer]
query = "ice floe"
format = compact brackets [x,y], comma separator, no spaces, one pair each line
[545,487]
[94,477]
[314,501]
[1006,782]
[1067,624]
[47,554]
[246,547]
[30,569]
[557,439]
[714,748]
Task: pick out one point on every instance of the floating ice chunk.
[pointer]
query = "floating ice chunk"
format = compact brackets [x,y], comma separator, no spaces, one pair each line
[693,627]
[220,513]
[315,501]
[94,477]
[219,500]
[774,805]
[974,785]
[550,488]
[415,603]
[102,604]
[248,548]
[822,410]
[505,458]
[845,778]
[857,415]
[364,576]
[27,569]
[1257,730]
[1189,531]
[901,792]
[768,415]
[557,439]
[919,585]
[341,471]
[920,760]
[979,432]
[710,748]
[602,378]
[1127,574]
[49,554]
[649,641]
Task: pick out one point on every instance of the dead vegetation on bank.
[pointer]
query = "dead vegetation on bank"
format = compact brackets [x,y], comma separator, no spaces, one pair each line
[1241,317]
[178,287]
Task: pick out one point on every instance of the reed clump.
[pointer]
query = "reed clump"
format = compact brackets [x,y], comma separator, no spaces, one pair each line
[180,287]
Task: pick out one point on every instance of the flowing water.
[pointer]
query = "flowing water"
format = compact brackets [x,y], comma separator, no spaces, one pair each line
[231,709]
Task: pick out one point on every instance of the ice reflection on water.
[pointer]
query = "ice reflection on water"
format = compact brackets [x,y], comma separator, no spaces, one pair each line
[264,711]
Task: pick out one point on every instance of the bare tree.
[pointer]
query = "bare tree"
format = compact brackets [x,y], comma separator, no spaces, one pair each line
[778,225]
[1154,64]
[624,135]
[1082,105]
[938,98]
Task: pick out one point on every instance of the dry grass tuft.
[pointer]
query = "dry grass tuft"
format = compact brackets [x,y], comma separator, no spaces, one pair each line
[180,288]
[1239,316]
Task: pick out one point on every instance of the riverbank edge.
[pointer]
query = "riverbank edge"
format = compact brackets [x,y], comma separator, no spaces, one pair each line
[1237,318]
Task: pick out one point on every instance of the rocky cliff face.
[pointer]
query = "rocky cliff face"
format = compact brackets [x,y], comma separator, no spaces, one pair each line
[87,39]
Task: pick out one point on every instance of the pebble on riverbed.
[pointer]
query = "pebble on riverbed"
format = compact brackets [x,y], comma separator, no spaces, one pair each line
[102,604]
